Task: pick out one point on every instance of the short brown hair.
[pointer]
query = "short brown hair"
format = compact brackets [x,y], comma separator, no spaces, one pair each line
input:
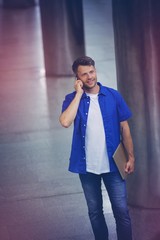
[84,61]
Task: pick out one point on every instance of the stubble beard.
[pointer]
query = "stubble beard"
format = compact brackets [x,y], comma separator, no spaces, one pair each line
[87,87]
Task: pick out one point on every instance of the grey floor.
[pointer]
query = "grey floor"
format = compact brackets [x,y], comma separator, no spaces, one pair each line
[39,198]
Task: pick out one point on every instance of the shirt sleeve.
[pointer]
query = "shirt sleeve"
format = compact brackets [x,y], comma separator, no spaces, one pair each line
[67,101]
[124,112]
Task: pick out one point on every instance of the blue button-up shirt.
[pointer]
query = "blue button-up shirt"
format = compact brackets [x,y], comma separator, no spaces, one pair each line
[114,110]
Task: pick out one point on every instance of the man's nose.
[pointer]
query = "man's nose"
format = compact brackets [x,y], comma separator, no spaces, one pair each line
[89,75]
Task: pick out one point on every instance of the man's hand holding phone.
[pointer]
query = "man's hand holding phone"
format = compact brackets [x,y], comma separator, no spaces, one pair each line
[79,86]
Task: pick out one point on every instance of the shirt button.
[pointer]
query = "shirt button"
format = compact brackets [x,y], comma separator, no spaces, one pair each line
[88,102]
[84,125]
[86,113]
[83,136]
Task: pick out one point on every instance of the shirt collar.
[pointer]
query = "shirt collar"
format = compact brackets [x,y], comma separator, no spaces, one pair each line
[102,91]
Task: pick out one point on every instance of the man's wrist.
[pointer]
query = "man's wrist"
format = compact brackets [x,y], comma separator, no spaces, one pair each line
[79,94]
[131,159]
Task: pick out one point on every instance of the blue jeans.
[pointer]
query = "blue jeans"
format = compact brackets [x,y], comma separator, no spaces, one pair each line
[116,188]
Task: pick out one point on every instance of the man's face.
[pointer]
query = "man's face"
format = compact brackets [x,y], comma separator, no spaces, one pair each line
[87,74]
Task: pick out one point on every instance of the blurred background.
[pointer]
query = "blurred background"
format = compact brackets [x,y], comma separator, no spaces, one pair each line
[39,40]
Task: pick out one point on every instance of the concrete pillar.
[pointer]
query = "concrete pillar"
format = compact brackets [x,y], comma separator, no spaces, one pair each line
[137,38]
[63,38]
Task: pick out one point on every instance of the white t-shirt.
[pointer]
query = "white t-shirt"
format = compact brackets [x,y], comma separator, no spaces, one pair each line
[95,142]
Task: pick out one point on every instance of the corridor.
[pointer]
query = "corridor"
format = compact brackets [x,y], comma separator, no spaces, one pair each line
[39,198]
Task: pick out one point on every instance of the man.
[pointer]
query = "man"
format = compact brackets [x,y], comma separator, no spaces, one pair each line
[100,120]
